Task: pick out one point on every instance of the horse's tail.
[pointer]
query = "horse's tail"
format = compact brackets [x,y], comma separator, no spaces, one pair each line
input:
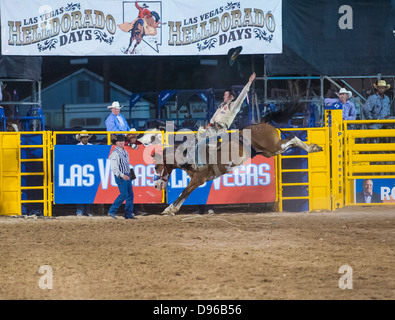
[285,111]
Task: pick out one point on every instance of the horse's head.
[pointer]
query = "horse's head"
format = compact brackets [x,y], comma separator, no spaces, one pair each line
[162,172]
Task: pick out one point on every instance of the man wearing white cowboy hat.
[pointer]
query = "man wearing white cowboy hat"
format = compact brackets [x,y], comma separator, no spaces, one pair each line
[83,138]
[349,111]
[116,121]
[131,138]
[378,105]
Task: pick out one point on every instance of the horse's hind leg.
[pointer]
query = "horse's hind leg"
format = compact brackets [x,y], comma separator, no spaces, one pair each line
[285,144]
[173,209]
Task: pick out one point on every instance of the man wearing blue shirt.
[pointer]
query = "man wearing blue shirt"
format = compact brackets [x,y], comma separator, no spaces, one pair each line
[116,121]
[349,112]
[377,106]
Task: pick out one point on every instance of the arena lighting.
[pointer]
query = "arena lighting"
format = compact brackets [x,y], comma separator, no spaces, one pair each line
[79,61]
[208,62]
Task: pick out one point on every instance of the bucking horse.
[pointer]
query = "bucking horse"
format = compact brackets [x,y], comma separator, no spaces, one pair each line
[140,28]
[257,139]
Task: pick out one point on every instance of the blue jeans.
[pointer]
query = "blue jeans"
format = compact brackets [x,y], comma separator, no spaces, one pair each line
[126,189]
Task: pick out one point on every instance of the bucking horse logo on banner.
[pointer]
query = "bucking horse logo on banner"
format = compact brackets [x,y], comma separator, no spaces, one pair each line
[146,24]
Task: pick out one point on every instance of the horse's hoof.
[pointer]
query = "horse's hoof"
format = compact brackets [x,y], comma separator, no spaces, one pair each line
[315,148]
[167,213]
[318,148]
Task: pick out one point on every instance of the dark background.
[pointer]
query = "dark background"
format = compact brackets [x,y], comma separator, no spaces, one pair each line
[152,73]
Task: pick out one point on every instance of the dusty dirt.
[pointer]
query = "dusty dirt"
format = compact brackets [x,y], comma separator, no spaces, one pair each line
[252,256]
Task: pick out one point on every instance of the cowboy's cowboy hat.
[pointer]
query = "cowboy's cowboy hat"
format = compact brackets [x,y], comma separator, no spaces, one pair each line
[132,133]
[233,54]
[80,135]
[115,105]
[382,83]
[343,90]
[118,137]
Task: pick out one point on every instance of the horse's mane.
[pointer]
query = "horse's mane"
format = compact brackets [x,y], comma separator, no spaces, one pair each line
[285,111]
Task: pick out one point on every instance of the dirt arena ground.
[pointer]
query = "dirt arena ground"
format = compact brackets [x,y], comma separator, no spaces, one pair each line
[248,256]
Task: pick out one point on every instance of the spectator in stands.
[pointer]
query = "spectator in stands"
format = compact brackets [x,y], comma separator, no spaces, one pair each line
[120,167]
[116,121]
[377,106]
[83,138]
[131,138]
[367,195]
[349,112]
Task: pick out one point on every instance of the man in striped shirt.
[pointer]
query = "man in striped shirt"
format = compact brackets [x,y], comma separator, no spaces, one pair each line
[119,160]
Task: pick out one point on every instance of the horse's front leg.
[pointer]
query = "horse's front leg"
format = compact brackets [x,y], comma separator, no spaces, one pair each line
[176,205]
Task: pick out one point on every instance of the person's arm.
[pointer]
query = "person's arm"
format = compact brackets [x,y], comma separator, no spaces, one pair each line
[330,101]
[111,123]
[349,111]
[114,162]
[353,112]
[385,111]
[367,108]
[243,93]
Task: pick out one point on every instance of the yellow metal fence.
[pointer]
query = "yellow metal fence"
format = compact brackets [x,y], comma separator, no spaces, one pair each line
[303,179]
[369,154]
[25,173]
[325,182]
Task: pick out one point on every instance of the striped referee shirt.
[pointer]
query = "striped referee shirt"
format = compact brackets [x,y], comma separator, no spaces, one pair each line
[119,160]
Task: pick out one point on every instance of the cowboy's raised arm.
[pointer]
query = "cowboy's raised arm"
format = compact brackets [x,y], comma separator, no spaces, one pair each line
[243,93]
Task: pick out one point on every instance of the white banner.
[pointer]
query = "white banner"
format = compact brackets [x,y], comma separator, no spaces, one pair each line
[113,27]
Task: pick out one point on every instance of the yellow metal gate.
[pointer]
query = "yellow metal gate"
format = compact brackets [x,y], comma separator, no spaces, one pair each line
[369,154]
[303,179]
[25,173]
